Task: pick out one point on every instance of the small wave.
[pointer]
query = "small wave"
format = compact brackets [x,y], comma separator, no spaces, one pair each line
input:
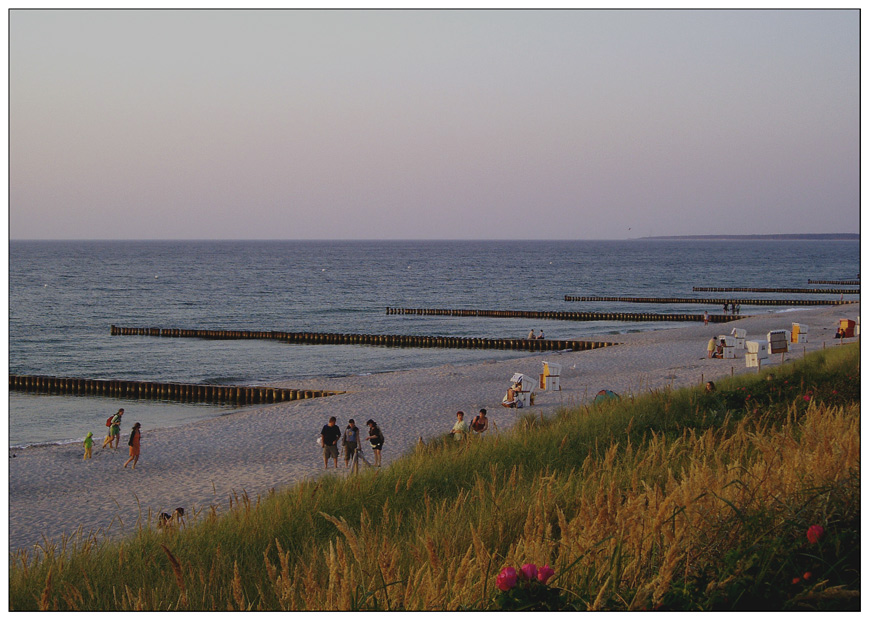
[237,380]
[45,444]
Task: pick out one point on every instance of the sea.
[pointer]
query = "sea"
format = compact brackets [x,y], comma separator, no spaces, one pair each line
[65,295]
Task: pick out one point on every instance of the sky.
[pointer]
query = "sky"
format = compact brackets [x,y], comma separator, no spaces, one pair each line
[417,124]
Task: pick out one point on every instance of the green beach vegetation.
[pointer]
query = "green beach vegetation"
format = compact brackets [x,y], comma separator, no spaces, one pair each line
[745,498]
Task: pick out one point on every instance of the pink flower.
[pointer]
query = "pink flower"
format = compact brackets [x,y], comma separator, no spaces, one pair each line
[506,579]
[814,533]
[529,572]
[544,573]
[807,398]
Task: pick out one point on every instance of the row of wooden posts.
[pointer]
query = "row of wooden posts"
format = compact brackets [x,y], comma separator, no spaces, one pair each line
[451,342]
[563,316]
[839,282]
[150,390]
[811,291]
[718,301]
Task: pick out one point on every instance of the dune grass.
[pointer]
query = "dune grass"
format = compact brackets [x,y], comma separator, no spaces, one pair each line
[671,500]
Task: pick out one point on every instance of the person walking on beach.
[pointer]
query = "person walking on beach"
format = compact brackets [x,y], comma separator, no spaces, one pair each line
[480,424]
[350,440]
[88,445]
[705,318]
[460,428]
[330,435]
[135,437]
[113,439]
[375,439]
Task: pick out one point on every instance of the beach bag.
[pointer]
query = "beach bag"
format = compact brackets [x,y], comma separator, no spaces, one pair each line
[109,420]
[377,442]
[320,441]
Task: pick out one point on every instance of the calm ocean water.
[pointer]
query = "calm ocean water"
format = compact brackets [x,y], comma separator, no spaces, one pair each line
[63,297]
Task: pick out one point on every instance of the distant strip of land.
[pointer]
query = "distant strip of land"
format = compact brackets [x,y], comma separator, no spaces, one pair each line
[800,237]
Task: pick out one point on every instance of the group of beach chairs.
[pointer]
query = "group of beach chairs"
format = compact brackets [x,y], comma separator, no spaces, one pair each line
[777,341]
[520,394]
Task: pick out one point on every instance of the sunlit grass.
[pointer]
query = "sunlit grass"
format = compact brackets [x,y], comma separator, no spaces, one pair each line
[669,500]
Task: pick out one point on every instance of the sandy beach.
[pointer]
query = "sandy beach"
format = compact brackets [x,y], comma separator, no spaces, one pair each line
[53,492]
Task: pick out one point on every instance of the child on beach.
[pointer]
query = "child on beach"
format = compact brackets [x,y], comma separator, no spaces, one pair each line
[135,437]
[88,445]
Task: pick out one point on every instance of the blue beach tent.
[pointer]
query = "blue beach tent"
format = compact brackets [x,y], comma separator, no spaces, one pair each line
[604,395]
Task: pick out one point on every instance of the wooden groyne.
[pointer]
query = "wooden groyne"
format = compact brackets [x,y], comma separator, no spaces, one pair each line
[562,316]
[812,291]
[839,282]
[448,342]
[714,301]
[149,390]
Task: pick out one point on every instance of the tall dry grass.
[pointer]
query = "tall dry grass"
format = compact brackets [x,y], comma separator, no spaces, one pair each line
[675,500]
[622,540]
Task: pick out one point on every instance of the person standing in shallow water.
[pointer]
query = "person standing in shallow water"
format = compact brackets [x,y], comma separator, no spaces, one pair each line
[135,437]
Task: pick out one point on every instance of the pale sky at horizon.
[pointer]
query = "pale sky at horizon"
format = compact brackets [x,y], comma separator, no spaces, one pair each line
[404,124]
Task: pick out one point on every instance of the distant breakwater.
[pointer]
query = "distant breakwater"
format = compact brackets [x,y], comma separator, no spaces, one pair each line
[448,342]
[812,291]
[149,390]
[714,301]
[839,282]
[563,316]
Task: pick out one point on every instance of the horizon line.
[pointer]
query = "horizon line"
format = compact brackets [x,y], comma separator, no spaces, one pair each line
[723,236]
